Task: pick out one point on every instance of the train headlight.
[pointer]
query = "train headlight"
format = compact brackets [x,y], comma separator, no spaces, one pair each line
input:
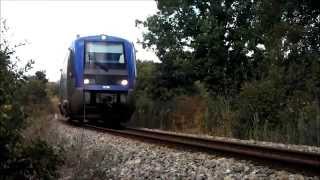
[124,82]
[86,81]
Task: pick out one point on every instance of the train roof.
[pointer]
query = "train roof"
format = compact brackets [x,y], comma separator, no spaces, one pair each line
[101,36]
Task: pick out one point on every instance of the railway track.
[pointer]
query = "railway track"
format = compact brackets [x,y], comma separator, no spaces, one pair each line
[308,161]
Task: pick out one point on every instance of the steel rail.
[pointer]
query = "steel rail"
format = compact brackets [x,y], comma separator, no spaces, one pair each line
[289,156]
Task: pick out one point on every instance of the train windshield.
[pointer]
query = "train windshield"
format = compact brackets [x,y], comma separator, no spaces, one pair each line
[105,54]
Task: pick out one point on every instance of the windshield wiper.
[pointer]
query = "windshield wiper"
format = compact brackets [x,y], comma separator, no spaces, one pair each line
[102,66]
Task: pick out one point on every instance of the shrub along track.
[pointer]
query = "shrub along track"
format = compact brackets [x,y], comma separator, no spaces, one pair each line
[289,159]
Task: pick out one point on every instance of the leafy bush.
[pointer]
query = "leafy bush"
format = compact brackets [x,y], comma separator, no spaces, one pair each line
[268,112]
[259,103]
[37,160]
[35,89]
[18,158]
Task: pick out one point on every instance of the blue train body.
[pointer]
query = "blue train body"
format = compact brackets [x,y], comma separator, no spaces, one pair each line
[98,77]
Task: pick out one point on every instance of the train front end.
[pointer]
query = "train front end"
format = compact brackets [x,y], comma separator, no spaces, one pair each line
[106,71]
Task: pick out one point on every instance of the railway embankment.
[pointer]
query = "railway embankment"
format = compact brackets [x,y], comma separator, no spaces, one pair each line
[96,155]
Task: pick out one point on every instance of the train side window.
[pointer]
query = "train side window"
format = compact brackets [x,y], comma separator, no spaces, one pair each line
[65,62]
[70,63]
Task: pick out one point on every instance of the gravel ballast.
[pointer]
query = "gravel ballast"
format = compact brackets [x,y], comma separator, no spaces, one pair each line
[96,155]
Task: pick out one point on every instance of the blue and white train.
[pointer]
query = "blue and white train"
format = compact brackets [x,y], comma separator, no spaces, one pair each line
[97,79]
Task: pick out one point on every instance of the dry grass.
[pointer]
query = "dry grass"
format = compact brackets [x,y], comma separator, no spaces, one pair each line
[188,115]
[39,120]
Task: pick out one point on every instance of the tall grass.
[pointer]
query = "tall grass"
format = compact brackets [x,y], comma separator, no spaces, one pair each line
[219,116]
[183,114]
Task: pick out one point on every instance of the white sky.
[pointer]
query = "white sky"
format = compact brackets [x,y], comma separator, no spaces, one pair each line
[50,26]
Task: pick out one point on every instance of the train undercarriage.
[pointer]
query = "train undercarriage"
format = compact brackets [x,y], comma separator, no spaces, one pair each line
[110,108]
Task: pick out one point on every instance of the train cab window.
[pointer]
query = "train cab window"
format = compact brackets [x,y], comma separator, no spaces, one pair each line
[106,53]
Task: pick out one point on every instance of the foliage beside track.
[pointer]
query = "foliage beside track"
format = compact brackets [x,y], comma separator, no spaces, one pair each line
[254,65]
[21,156]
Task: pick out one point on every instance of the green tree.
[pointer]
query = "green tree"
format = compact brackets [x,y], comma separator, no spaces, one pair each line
[226,43]
[202,40]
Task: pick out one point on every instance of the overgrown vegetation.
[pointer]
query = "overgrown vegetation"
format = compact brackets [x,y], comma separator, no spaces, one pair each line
[23,155]
[251,69]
